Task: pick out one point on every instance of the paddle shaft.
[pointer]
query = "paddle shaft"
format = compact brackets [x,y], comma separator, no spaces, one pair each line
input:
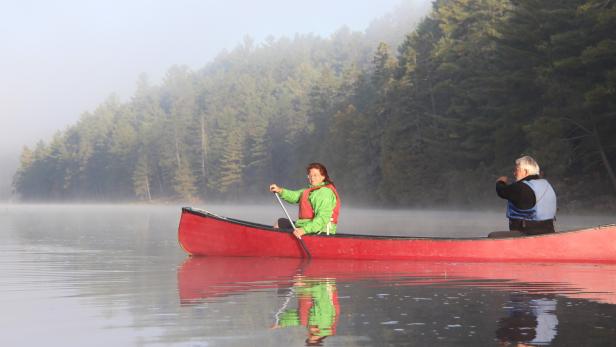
[301,242]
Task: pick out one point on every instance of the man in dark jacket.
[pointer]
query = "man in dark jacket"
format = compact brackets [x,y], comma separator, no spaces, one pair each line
[531,201]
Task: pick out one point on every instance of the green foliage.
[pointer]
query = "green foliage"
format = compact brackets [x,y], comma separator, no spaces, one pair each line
[429,120]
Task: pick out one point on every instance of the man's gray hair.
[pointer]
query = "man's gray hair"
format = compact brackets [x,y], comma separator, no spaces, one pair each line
[529,164]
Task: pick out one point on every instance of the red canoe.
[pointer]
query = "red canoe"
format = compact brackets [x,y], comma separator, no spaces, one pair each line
[204,233]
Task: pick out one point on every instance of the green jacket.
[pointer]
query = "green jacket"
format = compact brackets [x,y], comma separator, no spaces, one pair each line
[323,202]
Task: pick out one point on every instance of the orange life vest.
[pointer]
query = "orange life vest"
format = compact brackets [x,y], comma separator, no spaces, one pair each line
[305,208]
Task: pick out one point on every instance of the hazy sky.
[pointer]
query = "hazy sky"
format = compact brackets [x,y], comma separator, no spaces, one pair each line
[63,57]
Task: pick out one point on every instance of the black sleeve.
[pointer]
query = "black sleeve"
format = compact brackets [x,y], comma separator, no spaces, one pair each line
[520,194]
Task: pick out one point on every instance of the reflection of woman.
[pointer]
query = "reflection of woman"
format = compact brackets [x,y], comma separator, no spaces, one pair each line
[319,204]
[318,309]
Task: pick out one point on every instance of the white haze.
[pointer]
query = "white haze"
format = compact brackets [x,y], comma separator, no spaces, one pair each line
[363,221]
[62,58]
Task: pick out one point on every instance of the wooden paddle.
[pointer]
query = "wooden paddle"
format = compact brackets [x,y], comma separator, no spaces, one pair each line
[301,242]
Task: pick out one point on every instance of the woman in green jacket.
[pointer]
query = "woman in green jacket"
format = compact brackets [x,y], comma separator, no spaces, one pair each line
[319,204]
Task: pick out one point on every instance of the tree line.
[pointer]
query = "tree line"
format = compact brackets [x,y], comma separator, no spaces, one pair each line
[430,120]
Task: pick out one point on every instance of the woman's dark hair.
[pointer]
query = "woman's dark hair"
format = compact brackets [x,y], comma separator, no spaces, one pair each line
[322,170]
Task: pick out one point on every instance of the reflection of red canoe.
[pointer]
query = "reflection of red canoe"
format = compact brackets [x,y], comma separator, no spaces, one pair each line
[207,277]
[203,233]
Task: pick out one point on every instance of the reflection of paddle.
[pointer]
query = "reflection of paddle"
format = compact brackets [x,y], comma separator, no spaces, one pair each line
[301,242]
[284,306]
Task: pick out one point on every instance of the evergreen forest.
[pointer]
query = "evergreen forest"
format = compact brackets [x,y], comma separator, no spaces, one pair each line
[430,117]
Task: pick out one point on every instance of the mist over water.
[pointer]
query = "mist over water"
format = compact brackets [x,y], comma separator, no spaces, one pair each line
[364,221]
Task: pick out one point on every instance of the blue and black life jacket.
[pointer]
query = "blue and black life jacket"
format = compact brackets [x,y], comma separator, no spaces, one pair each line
[545,203]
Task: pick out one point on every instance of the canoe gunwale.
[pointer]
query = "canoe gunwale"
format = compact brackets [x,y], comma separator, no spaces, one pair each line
[207,214]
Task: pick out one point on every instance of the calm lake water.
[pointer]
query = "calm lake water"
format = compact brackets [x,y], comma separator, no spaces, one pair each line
[83,275]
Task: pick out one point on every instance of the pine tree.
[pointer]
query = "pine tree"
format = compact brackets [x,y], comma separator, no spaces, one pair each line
[141,180]
[232,164]
[184,182]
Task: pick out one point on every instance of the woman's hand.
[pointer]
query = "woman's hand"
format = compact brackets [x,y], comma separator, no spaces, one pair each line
[275,189]
[299,232]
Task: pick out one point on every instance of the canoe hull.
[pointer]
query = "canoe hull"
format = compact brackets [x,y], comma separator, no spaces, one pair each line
[202,233]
